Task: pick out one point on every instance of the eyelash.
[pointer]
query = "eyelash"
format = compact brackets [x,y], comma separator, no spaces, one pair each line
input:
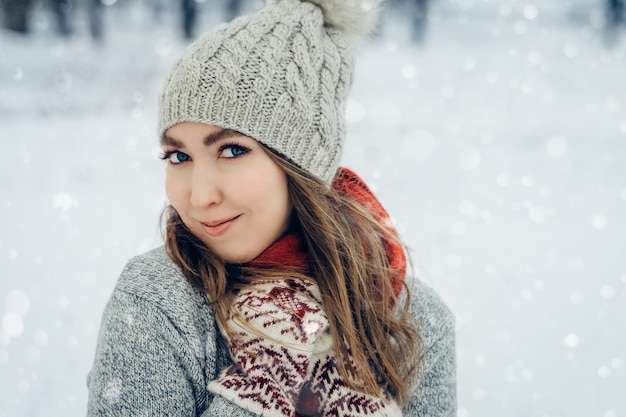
[234,145]
[166,155]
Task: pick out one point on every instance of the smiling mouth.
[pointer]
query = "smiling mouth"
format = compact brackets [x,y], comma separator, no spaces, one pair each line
[218,228]
[219,222]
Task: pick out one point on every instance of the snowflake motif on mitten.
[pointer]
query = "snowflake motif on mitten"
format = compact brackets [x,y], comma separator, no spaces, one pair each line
[339,400]
[284,361]
[276,325]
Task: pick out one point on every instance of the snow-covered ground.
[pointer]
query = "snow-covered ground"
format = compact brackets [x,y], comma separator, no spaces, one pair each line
[499,146]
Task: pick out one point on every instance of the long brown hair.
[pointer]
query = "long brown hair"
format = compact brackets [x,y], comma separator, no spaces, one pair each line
[372,332]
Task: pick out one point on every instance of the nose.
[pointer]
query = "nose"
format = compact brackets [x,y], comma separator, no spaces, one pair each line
[205,187]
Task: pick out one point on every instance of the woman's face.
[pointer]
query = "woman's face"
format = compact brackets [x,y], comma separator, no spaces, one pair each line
[226,189]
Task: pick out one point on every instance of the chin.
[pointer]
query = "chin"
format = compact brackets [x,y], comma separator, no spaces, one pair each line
[237,258]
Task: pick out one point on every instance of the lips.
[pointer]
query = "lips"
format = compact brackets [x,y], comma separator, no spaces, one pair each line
[218,227]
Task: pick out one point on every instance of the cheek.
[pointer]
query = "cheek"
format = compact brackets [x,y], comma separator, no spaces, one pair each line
[174,189]
[268,185]
[276,196]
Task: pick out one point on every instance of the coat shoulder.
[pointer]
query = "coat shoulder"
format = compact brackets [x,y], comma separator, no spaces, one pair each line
[436,393]
[156,279]
[434,317]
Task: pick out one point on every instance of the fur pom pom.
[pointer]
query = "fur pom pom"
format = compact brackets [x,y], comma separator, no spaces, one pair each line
[354,18]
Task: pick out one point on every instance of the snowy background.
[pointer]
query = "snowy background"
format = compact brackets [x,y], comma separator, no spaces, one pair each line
[498,145]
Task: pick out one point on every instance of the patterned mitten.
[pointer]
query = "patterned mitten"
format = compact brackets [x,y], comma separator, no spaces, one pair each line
[276,325]
[339,400]
[284,361]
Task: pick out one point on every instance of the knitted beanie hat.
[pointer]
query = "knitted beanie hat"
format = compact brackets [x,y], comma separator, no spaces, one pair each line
[280,76]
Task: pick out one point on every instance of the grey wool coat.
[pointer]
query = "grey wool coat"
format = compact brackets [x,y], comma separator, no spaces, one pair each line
[159,346]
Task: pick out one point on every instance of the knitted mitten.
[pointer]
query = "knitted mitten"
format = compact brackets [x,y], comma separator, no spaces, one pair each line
[284,363]
[275,327]
[339,400]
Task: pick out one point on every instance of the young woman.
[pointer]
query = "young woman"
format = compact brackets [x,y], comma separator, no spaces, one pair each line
[280,290]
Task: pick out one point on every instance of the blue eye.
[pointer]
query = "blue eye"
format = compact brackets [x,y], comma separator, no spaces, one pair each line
[233,151]
[178,157]
[175,157]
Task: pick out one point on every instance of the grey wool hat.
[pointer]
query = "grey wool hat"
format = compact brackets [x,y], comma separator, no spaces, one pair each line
[280,76]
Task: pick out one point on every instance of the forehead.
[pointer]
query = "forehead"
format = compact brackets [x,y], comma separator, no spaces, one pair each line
[177,134]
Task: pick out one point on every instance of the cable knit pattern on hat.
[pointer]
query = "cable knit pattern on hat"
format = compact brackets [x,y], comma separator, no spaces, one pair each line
[280,76]
[284,361]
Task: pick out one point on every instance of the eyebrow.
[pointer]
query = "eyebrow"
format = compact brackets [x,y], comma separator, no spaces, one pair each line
[209,140]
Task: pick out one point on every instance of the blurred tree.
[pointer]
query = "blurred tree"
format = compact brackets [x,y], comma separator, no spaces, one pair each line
[15,14]
[615,12]
[233,9]
[95,11]
[614,18]
[419,19]
[65,10]
[189,18]
[62,10]
[416,11]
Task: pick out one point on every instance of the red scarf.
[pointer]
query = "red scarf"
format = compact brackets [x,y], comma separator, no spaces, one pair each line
[289,250]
